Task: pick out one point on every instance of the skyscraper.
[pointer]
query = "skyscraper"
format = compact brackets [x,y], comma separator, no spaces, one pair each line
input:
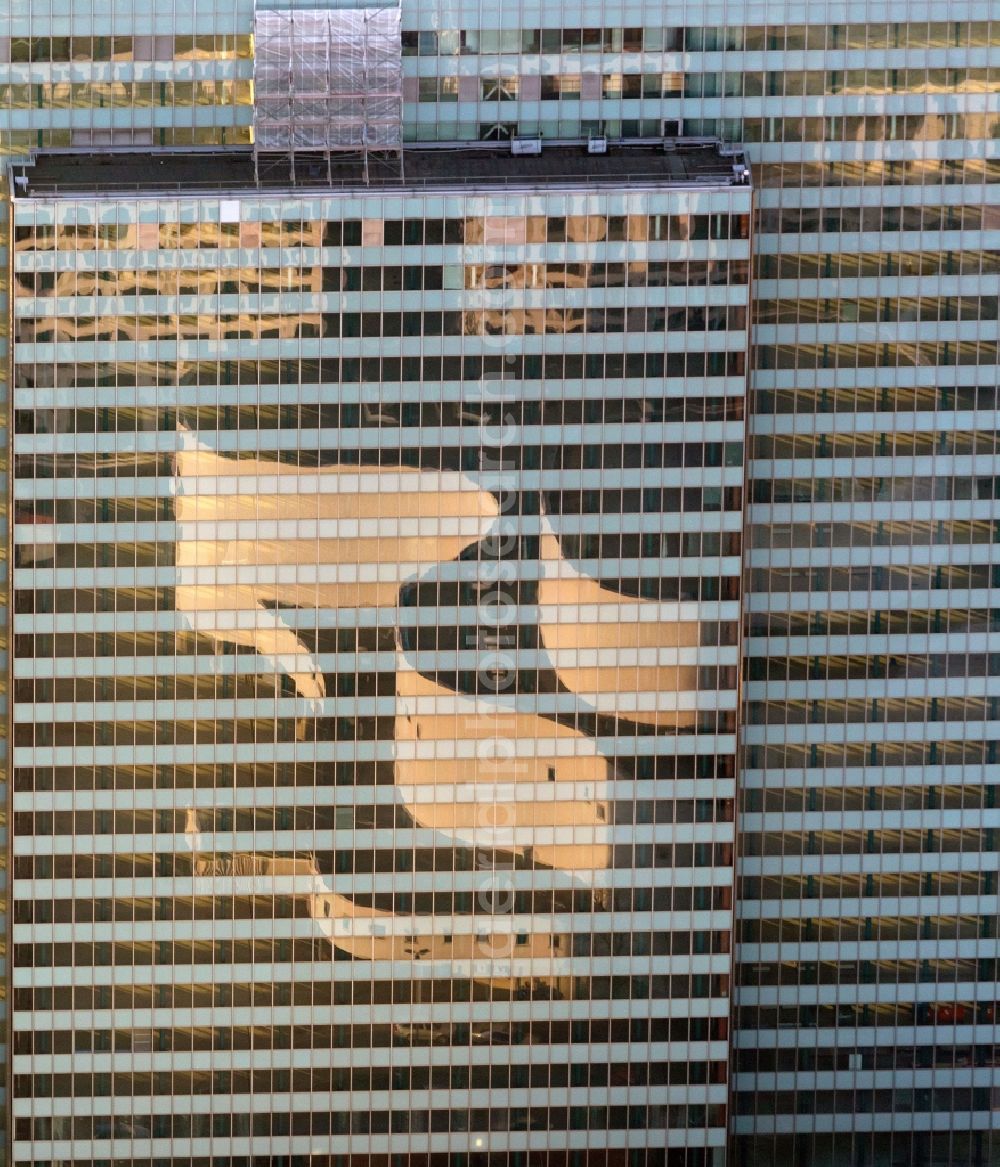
[863,1009]
[374,752]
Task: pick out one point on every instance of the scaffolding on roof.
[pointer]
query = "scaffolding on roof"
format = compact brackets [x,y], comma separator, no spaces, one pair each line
[328,81]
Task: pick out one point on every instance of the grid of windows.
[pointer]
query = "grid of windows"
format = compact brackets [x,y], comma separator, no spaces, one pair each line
[865,1028]
[378,702]
[193,88]
[5,511]
[874,150]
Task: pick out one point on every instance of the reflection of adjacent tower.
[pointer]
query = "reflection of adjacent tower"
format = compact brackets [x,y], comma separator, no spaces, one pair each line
[531,315]
[194,836]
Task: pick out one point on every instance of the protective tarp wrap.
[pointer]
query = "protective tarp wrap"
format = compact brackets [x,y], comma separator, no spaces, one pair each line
[328,79]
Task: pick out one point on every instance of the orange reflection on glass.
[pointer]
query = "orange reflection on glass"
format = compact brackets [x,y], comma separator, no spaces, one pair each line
[249,540]
[490,775]
[617,653]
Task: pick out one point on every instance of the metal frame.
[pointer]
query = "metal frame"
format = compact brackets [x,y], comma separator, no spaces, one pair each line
[328,81]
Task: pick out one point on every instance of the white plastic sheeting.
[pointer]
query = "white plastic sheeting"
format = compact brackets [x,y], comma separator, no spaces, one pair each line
[328,80]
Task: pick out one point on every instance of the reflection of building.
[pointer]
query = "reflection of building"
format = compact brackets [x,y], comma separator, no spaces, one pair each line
[407,648]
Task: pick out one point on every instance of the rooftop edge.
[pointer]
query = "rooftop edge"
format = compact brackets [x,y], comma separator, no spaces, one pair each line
[522,164]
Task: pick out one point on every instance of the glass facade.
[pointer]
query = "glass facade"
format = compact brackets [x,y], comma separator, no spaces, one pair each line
[864,1030]
[376,660]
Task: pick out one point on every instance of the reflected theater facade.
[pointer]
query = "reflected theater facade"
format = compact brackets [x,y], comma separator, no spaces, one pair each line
[378,589]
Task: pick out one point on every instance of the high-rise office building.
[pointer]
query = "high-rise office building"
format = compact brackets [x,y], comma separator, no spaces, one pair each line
[377,580]
[866,959]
